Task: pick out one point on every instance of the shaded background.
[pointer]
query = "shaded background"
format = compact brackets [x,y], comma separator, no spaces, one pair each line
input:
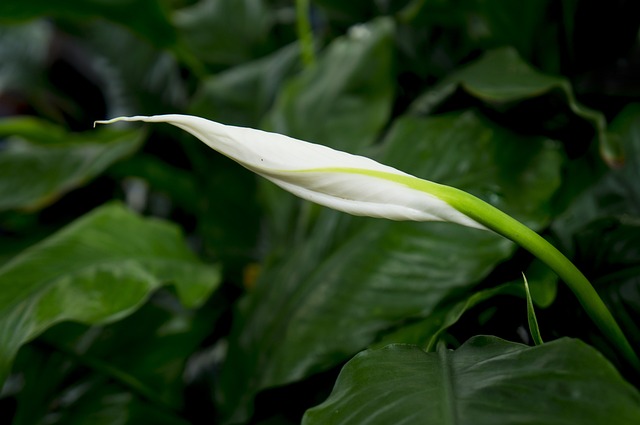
[529,105]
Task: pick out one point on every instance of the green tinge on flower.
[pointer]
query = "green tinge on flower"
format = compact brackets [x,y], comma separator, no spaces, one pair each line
[350,183]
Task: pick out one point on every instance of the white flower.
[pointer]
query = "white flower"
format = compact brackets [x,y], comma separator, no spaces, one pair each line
[354,184]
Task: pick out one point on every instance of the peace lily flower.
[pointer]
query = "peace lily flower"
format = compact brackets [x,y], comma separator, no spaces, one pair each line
[362,186]
[350,183]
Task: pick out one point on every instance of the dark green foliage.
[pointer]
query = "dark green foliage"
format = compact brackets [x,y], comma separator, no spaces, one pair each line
[144,278]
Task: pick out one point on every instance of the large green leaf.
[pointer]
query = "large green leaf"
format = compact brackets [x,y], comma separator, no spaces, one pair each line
[353,278]
[145,17]
[98,269]
[485,381]
[40,162]
[501,77]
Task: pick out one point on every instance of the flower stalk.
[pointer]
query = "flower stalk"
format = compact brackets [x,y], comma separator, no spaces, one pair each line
[305,34]
[361,186]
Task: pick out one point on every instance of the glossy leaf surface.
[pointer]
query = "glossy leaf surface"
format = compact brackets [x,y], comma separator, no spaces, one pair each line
[485,381]
[98,269]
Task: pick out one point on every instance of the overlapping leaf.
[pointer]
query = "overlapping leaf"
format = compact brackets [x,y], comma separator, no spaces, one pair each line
[501,77]
[57,161]
[427,332]
[98,269]
[353,278]
[485,381]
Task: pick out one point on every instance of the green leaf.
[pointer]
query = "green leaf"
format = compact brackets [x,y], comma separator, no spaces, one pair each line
[485,381]
[531,315]
[98,269]
[41,162]
[352,278]
[514,81]
[144,17]
[242,95]
[425,333]
[501,77]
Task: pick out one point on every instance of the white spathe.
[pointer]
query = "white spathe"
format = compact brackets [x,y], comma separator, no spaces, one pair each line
[328,177]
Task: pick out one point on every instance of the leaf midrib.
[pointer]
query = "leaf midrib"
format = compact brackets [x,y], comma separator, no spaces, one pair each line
[449,411]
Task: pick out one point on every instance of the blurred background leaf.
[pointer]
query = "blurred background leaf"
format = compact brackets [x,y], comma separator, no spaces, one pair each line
[225,32]
[57,161]
[147,18]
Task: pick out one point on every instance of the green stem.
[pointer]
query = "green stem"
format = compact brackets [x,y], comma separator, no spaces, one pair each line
[512,229]
[305,35]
